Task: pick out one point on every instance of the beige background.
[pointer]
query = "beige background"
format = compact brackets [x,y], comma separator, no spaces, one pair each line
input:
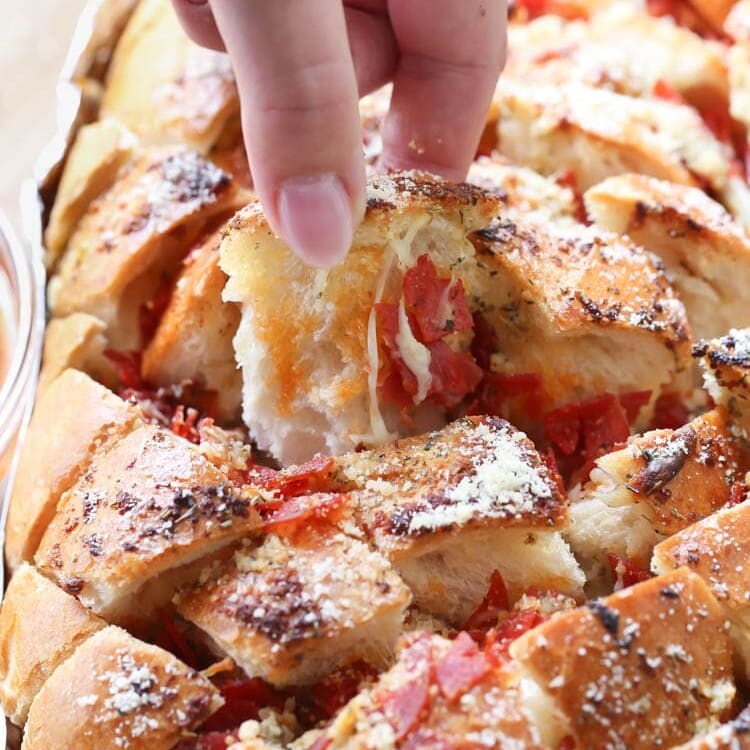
[34,37]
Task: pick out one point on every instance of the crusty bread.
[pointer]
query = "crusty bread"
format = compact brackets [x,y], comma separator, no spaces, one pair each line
[726,365]
[193,340]
[449,709]
[714,11]
[598,134]
[76,342]
[100,150]
[548,298]
[33,646]
[735,735]
[135,234]
[718,549]
[646,667]
[166,88]
[73,420]
[116,691]
[660,483]
[150,505]
[705,252]
[292,611]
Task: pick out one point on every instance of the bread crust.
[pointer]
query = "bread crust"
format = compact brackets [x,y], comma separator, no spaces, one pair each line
[117,691]
[74,419]
[655,655]
[33,646]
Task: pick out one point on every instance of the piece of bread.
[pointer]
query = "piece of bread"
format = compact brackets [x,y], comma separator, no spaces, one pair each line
[726,366]
[293,610]
[660,483]
[425,701]
[735,735]
[539,293]
[193,340]
[166,88]
[118,692]
[455,516]
[76,342]
[706,254]
[149,506]
[33,645]
[137,233]
[99,152]
[595,134]
[717,549]
[647,667]
[737,22]
[526,195]
[714,11]
[73,421]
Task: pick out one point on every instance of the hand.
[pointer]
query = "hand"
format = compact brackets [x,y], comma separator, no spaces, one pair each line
[301,66]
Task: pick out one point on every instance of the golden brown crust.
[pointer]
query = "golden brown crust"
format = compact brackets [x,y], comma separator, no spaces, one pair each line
[73,421]
[714,11]
[292,610]
[734,735]
[99,152]
[645,667]
[40,627]
[151,504]
[116,691]
[165,87]
[193,340]
[136,233]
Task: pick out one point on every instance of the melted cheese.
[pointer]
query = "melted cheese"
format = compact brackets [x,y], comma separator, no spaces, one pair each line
[403,246]
[416,355]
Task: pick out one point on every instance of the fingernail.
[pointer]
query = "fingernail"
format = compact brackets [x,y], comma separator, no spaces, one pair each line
[316,219]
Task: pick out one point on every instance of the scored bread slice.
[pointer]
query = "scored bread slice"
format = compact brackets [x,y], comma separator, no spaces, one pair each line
[40,627]
[660,483]
[135,234]
[527,195]
[595,134]
[76,342]
[718,549]
[725,363]
[293,610]
[307,345]
[150,505]
[99,152]
[425,700]
[453,517]
[705,252]
[166,88]
[193,340]
[586,311]
[646,667]
[116,691]
[74,420]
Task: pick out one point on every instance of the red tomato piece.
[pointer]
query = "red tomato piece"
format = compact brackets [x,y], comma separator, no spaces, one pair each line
[454,375]
[462,667]
[494,602]
[624,572]
[436,306]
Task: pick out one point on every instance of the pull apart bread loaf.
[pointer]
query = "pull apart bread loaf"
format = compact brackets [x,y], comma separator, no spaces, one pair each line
[482,485]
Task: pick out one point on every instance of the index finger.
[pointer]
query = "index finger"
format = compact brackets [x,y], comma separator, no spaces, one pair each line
[451,56]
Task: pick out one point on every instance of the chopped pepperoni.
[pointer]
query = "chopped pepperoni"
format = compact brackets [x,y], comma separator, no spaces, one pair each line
[494,602]
[496,391]
[314,475]
[633,402]
[737,494]
[499,639]
[127,367]
[485,342]
[569,180]
[665,91]
[243,700]
[403,707]
[396,382]
[568,9]
[567,743]
[303,511]
[604,425]
[436,306]
[563,427]
[172,639]
[185,424]
[454,375]
[624,572]
[670,412]
[334,691]
[548,456]
[462,667]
